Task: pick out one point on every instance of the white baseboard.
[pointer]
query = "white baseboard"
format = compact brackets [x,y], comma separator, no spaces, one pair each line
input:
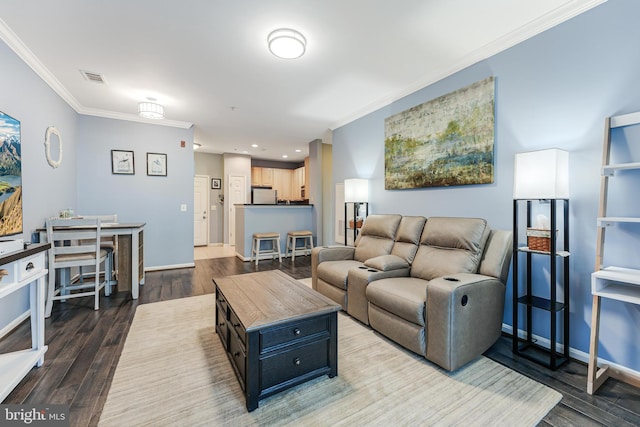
[573,353]
[14,323]
[170,267]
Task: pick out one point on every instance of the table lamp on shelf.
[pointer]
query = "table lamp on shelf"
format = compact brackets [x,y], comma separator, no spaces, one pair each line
[356,191]
[542,174]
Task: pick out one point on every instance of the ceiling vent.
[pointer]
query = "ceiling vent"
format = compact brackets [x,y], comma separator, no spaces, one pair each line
[93,77]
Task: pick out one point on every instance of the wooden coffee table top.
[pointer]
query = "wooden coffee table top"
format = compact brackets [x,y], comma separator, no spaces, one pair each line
[270,297]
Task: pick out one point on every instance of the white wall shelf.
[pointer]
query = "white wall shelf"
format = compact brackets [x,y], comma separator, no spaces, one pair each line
[24,268]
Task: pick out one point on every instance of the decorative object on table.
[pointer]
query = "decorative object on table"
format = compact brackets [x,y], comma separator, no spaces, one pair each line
[356,195]
[10,177]
[52,131]
[156,164]
[446,141]
[122,162]
[541,180]
[216,183]
[3,272]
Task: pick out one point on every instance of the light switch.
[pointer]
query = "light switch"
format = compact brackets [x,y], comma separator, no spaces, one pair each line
[183,207]
[213,207]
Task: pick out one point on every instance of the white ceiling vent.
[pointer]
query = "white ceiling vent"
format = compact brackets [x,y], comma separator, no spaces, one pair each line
[93,77]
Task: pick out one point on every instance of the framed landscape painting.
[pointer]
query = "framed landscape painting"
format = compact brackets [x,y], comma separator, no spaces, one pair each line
[443,142]
[10,176]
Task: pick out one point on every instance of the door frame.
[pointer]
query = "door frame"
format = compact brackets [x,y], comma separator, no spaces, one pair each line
[230,206]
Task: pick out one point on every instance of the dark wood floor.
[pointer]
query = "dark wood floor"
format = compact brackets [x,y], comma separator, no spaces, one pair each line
[85,345]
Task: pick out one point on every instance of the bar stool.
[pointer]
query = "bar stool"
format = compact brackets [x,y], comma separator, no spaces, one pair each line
[292,240]
[274,238]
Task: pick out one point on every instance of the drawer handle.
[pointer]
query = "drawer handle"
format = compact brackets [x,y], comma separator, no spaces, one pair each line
[236,354]
[236,325]
[221,324]
[296,331]
[30,266]
[296,361]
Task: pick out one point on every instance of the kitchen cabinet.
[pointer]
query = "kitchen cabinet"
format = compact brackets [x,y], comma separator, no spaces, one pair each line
[288,182]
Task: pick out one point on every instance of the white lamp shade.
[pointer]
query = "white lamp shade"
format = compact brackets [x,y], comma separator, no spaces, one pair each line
[541,174]
[356,190]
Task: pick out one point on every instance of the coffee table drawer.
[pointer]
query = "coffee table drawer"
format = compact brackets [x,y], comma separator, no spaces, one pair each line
[237,326]
[292,332]
[236,349]
[221,326]
[294,363]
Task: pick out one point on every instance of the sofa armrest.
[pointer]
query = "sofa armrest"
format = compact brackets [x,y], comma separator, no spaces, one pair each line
[328,253]
[387,263]
[463,318]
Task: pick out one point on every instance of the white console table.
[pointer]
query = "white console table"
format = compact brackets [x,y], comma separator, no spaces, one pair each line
[24,268]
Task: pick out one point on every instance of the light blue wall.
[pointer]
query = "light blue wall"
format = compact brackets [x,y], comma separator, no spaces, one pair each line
[156,200]
[553,90]
[45,191]
[84,181]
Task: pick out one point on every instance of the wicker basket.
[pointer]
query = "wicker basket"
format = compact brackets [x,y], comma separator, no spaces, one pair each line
[358,223]
[539,240]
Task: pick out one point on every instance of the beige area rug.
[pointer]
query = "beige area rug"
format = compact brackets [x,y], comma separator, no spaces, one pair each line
[173,372]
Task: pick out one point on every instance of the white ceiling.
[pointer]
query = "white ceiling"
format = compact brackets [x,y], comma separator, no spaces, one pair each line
[207,61]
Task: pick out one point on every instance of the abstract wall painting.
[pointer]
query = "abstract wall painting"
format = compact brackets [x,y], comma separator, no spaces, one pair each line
[444,142]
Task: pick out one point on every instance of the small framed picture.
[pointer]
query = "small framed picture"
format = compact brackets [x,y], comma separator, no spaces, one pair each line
[216,183]
[122,162]
[156,164]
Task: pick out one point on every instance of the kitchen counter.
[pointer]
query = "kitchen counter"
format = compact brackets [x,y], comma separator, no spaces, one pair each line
[269,218]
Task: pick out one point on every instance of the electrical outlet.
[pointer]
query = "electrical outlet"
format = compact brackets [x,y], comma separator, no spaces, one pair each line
[213,207]
[183,207]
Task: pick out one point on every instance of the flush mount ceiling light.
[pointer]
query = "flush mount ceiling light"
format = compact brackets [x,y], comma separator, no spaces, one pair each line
[286,43]
[151,110]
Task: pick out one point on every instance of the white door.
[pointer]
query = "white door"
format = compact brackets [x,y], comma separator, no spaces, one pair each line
[237,195]
[200,210]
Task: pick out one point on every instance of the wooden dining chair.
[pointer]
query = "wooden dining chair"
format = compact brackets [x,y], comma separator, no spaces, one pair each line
[75,244]
[110,244]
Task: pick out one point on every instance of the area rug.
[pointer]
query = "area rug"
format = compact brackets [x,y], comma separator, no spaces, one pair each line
[173,372]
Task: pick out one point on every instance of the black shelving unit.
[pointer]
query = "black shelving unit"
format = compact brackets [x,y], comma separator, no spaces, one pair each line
[528,347]
[356,206]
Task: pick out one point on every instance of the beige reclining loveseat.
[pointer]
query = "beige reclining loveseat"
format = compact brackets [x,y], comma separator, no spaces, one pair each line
[436,286]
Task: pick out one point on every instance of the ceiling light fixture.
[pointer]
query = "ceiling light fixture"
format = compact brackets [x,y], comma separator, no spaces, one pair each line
[196,145]
[151,110]
[286,43]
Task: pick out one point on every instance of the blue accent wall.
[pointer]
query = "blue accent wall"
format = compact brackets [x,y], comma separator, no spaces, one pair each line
[84,181]
[553,90]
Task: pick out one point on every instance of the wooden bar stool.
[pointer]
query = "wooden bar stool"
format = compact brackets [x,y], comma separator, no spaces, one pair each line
[274,238]
[292,240]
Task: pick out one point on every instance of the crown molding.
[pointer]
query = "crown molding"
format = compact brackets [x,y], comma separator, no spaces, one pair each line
[133,118]
[13,41]
[549,20]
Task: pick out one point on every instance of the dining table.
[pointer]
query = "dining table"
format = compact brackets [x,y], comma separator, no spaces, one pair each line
[130,253]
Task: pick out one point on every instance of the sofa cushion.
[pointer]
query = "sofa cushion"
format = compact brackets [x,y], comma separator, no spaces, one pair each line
[403,296]
[408,237]
[377,236]
[336,272]
[387,263]
[450,245]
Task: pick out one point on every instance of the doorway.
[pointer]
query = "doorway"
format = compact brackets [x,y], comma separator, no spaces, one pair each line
[200,210]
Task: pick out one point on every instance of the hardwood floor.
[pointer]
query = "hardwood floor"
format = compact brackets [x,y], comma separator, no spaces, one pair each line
[85,345]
